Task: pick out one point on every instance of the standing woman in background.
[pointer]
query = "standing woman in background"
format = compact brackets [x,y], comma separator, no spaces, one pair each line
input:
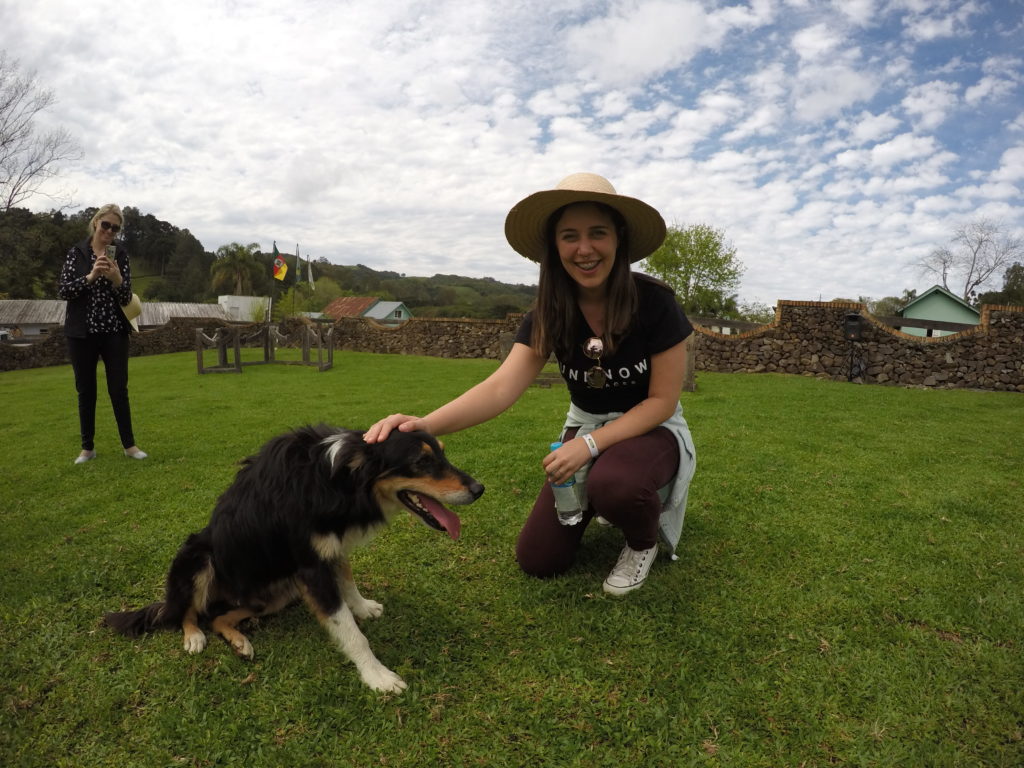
[96,287]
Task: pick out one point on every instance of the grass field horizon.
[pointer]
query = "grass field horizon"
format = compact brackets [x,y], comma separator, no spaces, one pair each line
[848,590]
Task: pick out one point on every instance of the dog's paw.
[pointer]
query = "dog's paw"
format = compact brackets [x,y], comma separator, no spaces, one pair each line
[383,680]
[194,642]
[367,609]
[241,646]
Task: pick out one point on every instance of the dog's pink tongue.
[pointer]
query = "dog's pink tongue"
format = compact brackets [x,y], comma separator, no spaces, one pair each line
[443,515]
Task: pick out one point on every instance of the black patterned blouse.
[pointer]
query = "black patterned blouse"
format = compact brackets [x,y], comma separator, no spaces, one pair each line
[96,307]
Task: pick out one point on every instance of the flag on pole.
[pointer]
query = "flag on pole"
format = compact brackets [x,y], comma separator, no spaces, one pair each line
[298,265]
[309,272]
[280,265]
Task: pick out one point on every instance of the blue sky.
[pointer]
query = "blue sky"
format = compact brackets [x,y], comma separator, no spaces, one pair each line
[834,143]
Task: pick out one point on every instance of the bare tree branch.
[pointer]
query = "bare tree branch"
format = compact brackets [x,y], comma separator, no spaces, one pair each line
[27,158]
[978,251]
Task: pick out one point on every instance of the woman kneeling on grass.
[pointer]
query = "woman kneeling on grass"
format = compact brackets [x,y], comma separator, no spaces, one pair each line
[618,338]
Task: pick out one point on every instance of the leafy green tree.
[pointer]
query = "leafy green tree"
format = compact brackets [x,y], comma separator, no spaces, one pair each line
[150,241]
[888,306]
[187,277]
[305,298]
[238,267]
[190,267]
[1013,288]
[33,247]
[327,290]
[701,267]
[756,312]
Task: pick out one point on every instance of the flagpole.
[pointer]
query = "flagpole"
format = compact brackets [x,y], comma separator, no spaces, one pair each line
[273,294]
[298,274]
[280,273]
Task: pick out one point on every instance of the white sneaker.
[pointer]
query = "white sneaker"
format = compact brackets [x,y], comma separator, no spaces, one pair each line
[630,571]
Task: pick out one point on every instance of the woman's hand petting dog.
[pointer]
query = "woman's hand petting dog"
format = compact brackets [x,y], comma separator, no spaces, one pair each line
[380,431]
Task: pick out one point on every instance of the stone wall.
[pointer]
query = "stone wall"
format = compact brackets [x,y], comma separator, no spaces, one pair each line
[806,339]
[178,335]
[433,337]
[441,337]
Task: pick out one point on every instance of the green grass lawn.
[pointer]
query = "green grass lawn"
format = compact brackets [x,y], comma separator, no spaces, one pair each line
[848,592]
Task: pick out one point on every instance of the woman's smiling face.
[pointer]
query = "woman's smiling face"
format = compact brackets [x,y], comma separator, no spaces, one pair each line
[105,228]
[587,241]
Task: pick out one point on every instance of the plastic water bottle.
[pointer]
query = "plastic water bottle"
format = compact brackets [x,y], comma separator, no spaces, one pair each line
[566,503]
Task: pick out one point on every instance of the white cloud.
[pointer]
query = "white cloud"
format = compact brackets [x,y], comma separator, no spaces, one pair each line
[764,121]
[637,42]
[930,28]
[904,148]
[989,87]
[564,99]
[991,192]
[931,102]
[814,43]
[870,128]
[1004,66]
[824,91]
[739,17]
[938,205]
[860,12]
[1011,165]
[612,104]
[934,21]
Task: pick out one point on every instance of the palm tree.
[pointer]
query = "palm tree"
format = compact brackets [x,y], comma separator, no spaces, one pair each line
[236,264]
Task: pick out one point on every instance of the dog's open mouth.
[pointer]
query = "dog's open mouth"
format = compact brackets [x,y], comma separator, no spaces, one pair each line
[432,512]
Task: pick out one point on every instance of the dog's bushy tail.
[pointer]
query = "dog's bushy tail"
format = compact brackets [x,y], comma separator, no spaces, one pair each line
[135,623]
[192,558]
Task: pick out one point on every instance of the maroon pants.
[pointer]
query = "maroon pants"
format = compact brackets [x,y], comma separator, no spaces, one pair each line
[622,487]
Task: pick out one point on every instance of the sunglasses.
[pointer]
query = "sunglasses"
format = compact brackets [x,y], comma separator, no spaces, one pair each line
[115,228]
[595,378]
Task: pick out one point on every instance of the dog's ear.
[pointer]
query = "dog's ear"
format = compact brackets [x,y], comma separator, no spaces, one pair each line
[347,452]
[440,444]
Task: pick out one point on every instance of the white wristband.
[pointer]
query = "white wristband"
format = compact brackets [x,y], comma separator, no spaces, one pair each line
[589,440]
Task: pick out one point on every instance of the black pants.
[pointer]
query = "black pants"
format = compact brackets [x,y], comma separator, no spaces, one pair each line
[85,353]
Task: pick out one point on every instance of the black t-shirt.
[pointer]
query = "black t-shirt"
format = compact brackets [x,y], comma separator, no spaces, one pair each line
[659,325]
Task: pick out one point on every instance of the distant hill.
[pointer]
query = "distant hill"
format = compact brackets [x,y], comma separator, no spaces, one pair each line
[436,296]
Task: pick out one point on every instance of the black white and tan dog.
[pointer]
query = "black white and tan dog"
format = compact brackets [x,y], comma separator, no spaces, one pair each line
[285,527]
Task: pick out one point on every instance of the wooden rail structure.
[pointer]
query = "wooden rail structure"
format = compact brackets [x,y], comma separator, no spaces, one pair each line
[229,340]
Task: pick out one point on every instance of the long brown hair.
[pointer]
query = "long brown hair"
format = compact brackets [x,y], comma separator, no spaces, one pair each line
[556,318]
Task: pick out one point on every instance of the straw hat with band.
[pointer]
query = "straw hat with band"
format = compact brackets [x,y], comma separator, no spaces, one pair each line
[526,223]
[132,310]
